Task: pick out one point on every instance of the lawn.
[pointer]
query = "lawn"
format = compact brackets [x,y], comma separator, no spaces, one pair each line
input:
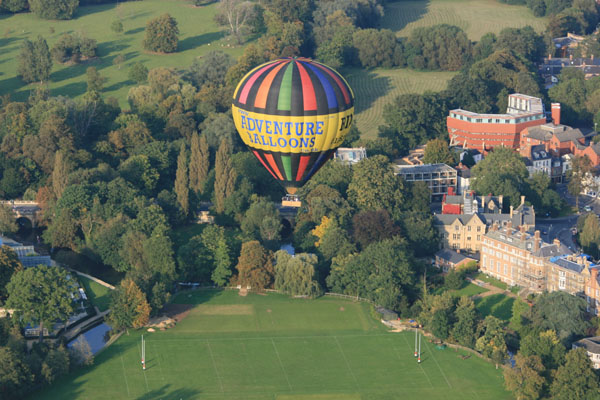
[492,281]
[475,17]
[498,305]
[375,88]
[99,295]
[198,35]
[274,347]
[469,289]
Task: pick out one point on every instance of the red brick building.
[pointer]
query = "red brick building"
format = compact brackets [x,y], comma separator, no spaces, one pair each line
[486,131]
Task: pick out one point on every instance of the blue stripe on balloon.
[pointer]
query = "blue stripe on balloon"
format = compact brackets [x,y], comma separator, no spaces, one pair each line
[331,98]
[323,157]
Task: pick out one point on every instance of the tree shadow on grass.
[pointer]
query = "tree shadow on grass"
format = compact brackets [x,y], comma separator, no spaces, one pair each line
[416,11]
[119,85]
[367,85]
[199,40]
[68,72]
[71,90]
[165,392]
[107,48]
[134,31]
[82,11]
[7,41]
[11,85]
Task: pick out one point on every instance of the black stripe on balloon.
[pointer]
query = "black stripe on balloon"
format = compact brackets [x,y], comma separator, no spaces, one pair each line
[316,167]
[297,105]
[273,95]
[322,105]
[309,165]
[337,90]
[255,87]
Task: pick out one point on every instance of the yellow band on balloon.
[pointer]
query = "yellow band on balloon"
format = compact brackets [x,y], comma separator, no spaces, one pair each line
[285,134]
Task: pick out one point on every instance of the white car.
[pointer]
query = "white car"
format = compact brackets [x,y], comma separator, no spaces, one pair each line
[587,208]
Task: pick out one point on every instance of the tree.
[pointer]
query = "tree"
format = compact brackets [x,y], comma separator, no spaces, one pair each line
[138,73]
[15,375]
[454,279]
[377,48]
[492,343]
[53,9]
[199,163]
[129,307]
[35,61]
[262,221]
[524,379]
[581,166]
[372,226]
[561,312]
[225,176]
[41,295]
[8,223]
[589,236]
[181,180]
[209,69]
[524,41]
[437,151]
[545,345]
[374,186]
[119,60]
[60,174]
[443,46]
[296,275]
[116,26]
[161,34]
[55,364]
[502,172]
[575,380]
[95,81]
[255,267]
[440,324]
[465,328]
[237,16]
[14,6]
[81,352]
[9,265]
[222,272]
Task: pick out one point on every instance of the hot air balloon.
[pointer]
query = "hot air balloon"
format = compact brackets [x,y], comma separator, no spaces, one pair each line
[293,113]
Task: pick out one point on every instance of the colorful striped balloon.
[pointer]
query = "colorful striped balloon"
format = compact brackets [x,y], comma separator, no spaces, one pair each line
[293,113]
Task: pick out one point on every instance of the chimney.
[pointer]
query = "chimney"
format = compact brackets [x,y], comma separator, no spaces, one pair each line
[522,229]
[549,56]
[536,241]
[522,200]
[594,277]
[556,242]
[511,211]
[556,113]
[570,57]
[509,227]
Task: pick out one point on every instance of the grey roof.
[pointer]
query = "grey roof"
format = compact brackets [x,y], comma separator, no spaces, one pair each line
[448,219]
[514,238]
[552,250]
[591,344]
[423,169]
[536,132]
[454,199]
[452,256]
[569,134]
[538,152]
[568,264]
[522,215]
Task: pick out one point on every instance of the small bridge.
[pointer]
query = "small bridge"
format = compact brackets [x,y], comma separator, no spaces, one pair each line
[29,210]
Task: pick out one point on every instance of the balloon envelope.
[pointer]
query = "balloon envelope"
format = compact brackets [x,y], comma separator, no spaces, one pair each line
[293,113]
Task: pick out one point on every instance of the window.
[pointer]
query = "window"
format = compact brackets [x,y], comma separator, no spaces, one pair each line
[469,228]
[469,238]
[478,237]
[505,269]
[479,229]
[456,227]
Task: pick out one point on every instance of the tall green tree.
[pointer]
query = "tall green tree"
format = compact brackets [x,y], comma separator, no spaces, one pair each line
[8,223]
[502,172]
[545,345]
[465,328]
[15,375]
[60,174]
[41,296]
[182,188]
[575,380]
[296,275]
[9,265]
[34,60]
[95,81]
[437,151]
[222,272]
[199,163]
[524,379]
[493,342]
[54,9]
[129,307]
[225,176]
[581,166]
[589,237]
[161,34]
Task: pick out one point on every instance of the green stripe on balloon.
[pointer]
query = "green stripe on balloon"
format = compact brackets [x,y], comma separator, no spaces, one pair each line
[287,166]
[284,102]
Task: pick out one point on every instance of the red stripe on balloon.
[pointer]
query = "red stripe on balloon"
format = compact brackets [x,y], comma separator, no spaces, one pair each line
[263,163]
[253,78]
[263,91]
[308,91]
[338,81]
[302,166]
[273,165]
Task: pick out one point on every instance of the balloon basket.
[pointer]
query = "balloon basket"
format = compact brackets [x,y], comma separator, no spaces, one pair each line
[290,200]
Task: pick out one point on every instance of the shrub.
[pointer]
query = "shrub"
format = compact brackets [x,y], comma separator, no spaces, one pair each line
[71,47]
[54,9]
[161,34]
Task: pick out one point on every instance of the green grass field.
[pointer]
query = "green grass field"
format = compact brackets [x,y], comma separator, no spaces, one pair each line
[498,305]
[469,289]
[492,281]
[274,347]
[373,89]
[99,295]
[475,17]
[198,35]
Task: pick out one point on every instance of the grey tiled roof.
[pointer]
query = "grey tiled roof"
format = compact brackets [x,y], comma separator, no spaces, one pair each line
[591,344]
[452,256]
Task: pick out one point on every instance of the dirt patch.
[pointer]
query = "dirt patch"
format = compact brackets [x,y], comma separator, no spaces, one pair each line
[232,309]
[269,310]
[243,292]
[177,311]
[342,309]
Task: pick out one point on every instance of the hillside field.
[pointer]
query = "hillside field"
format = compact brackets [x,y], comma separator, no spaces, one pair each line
[198,35]
[475,17]
[375,88]
[278,348]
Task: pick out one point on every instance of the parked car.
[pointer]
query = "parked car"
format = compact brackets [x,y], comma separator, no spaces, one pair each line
[587,208]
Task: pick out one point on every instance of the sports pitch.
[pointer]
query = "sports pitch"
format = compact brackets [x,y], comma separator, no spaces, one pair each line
[274,347]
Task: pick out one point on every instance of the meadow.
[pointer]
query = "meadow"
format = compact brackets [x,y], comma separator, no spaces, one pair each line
[475,17]
[99,295]
[375,88]
[279,348]
[198,35]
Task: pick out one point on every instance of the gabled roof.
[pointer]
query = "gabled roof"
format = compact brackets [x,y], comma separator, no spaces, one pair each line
[568,135]
[452,256]
[591,344]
